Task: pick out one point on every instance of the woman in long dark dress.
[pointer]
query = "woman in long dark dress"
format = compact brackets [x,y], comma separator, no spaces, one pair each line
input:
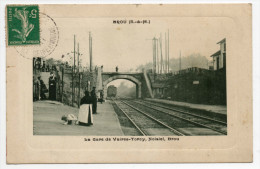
[85,112]
[52,87]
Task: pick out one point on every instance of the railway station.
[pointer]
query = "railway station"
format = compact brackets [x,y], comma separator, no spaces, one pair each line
[133,118]
[159,102]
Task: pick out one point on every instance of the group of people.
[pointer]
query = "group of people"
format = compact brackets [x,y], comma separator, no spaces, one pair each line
[43,67]
[41,89]
[88,107]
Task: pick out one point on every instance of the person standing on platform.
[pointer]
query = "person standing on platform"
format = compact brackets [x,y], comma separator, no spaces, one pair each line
[47,68]
[43,66]
[101,96]
[37,89]
[94,97]
[43,89]
[102,68]
[85,112]
[52,87]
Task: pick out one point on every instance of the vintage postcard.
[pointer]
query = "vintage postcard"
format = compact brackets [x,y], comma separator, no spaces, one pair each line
[129,83]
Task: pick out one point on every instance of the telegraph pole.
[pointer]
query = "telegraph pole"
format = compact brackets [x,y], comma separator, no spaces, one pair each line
[154,55]
[90,62]
[168,53]
[157,56]
[90,52]
[162,67]
[79,80]
[154,41]
[73,67]
[180,59]
[62,82]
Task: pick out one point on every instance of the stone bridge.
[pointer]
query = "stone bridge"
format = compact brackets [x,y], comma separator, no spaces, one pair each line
[142,88]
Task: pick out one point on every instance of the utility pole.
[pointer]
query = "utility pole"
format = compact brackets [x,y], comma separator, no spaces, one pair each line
[73,67]
[168,53]
[62,82]
[157,56]
[162,67]
[90,52]
[180,59]
[90,61]
[154,40]
[79,80]
[154,55]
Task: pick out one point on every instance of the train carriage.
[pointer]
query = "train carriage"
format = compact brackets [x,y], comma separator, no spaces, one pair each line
[111,91]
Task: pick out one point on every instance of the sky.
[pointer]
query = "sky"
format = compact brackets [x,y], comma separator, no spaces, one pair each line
[129,45]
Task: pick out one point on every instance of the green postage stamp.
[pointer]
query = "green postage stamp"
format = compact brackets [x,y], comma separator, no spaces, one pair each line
[23,25]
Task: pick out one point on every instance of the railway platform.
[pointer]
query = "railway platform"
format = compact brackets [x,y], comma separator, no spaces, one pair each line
[218,109]
[47,120]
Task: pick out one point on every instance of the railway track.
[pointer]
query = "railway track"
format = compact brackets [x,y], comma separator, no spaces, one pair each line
[204,116]
[197,120]
[144,123]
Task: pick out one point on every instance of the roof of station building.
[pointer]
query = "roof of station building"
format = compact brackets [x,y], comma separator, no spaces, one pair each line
[222,41]
[216,54]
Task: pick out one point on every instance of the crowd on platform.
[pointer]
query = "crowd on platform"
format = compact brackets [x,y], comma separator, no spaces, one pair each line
[40,88]
[88,104]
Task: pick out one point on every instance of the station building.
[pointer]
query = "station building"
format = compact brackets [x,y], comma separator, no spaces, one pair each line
[194,84]
[219,58]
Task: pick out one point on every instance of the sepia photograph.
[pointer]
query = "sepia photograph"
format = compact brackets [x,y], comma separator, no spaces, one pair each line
[130,77]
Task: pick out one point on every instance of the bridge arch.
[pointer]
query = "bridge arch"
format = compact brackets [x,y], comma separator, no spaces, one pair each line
[137,82]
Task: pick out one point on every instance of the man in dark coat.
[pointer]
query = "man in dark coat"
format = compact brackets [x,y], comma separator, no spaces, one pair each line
[94,97]
[43,89]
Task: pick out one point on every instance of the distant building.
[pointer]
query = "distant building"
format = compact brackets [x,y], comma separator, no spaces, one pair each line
[219,58]
[159,89]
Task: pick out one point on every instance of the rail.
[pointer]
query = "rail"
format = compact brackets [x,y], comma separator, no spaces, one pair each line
[185,119]
[152,118]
